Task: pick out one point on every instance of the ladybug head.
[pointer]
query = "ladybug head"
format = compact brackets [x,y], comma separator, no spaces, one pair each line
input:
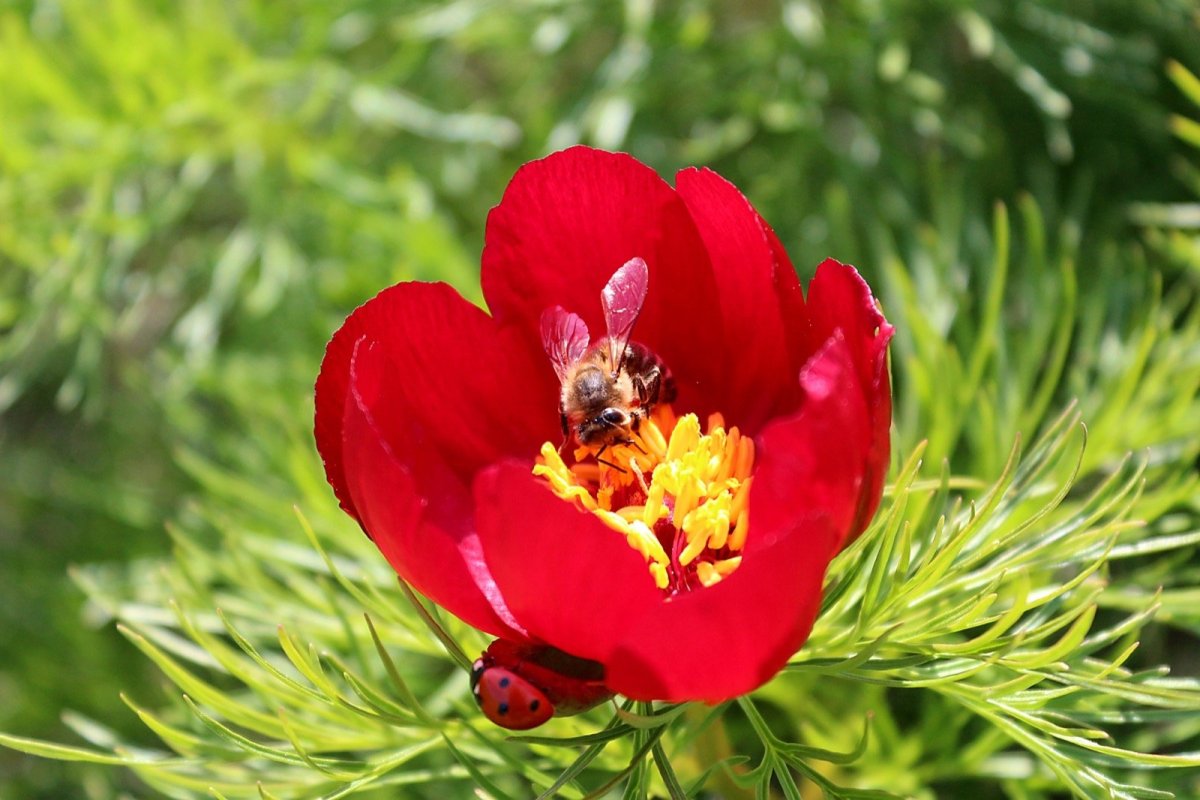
[507,699]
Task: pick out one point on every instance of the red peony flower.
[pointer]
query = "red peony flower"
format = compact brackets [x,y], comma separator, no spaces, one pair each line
[679,556]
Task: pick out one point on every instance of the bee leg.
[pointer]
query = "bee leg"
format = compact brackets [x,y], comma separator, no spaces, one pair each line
[566,431]
[647,386]
[640,389]
[636,417]
[600,452]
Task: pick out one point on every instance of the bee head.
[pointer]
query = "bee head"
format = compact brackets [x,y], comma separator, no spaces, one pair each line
[600,427]
[614,418]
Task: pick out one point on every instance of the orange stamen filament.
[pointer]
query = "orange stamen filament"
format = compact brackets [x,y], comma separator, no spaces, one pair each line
[680,497]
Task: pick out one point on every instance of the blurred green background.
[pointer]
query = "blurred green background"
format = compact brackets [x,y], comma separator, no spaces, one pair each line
[193,194]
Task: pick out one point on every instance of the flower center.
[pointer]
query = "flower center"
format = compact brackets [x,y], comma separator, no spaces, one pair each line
[678,496]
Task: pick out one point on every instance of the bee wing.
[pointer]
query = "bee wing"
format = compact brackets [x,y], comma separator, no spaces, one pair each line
[622,300]
[564,338]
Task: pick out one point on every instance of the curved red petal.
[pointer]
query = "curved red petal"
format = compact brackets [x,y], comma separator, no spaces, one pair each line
[815,460]
[455,380]
[430,545]
[567,222]
[839,299]
[743,630]
[792,312]
[743,264]
[729,639]
[571,581]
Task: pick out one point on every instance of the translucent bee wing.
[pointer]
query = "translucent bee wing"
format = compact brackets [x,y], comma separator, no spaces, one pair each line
[564,338]
[622,300]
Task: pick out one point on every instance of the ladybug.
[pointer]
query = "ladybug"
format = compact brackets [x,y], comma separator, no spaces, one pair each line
[507,699]
[522,685]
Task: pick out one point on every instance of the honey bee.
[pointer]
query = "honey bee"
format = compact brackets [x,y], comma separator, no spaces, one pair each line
[608,388]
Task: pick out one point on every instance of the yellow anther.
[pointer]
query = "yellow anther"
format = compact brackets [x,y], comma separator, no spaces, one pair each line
[706,527]
[604,498]
[613,520]
[653,440]
[686,499]
[684,438]
[586,473]
[580,494]
[718,527]
[551,459]
[729,456]
[727,565]
[737,539]
[630,513]
[561,479]
[699,481]
[745,458]
[712,573]
[654,510]
[707,574]
[643,540]
[694,547]
[741,497]
[664,419]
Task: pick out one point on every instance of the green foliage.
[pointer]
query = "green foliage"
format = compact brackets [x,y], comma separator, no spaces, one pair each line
[192,195]
[1175,225]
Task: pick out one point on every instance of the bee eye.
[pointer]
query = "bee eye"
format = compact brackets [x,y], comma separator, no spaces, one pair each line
[613,416]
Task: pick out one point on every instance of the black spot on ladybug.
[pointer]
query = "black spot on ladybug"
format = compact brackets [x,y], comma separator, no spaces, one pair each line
[503,709]
[534,705]
[504,682]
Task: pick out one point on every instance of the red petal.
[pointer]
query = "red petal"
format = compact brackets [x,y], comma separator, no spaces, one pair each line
[567,222]
[755,348]
[790,298]
[456,381]
[571,581]
[429,545]
[729,639]
[839,299]
[815,460]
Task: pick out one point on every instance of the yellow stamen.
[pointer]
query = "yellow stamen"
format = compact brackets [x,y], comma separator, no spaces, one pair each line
[586,473]
[710,573]
[745,458]
[604,498]
[659,572]
[737,539]
[707,526]
[561,479]
[671,490]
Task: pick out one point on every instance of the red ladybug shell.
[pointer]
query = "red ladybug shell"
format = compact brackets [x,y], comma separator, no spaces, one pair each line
[507,699]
